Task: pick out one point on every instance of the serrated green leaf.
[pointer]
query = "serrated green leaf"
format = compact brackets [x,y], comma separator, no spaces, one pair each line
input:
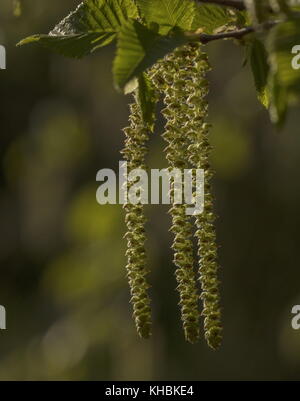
[260,69]
[138,49]
[184,14]
[146,98]
[210,17]
[97,15]
[168,13]
[94,24]
[75,46]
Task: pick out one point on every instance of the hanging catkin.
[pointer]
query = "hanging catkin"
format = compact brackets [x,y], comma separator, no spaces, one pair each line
[197,130]
[167,76]
[134,153]
[182,78]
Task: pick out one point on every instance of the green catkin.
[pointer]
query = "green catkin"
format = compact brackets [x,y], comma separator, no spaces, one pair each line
[166,76]
[197,129]
[134,153]
[182,78]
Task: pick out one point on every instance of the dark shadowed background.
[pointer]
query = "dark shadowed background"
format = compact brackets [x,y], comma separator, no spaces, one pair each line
[62,277]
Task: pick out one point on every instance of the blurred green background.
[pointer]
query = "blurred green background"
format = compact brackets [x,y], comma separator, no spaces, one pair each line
[62,277]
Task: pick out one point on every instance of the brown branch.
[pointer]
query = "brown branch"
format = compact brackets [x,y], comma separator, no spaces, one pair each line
[238,34]
[238,4]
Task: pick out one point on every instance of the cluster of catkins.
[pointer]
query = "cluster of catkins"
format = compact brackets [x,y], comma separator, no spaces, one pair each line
[180,78]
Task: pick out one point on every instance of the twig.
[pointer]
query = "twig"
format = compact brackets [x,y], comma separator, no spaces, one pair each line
[238,34]
[205,38]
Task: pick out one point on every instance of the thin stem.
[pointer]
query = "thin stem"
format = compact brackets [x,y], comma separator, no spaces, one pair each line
[204,38]
[238,34]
